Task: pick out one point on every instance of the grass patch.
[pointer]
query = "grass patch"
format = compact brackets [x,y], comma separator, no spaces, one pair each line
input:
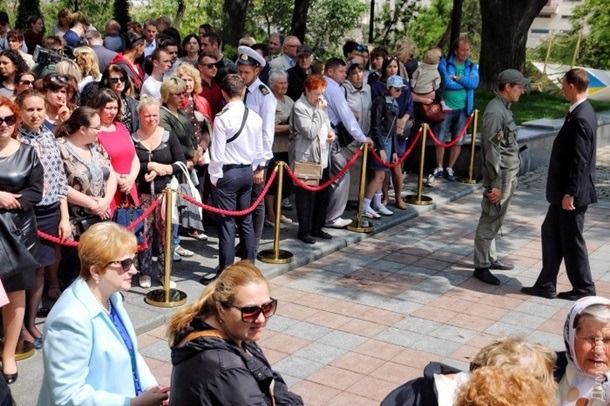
[535,105]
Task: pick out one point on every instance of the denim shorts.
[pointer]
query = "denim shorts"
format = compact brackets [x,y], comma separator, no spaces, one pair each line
[387,147]
[452,125]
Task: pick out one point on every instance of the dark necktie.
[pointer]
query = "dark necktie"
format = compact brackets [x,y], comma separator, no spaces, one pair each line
[246,95]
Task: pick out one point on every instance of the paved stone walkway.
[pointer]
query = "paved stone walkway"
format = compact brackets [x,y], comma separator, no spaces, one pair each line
[354,324]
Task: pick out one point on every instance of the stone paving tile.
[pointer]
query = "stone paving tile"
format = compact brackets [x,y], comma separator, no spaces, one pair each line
[314,393]
[372,388]
[337,378]
[349,399]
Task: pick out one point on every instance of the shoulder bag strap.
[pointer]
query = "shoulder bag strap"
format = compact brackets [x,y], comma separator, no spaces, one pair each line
[243,124]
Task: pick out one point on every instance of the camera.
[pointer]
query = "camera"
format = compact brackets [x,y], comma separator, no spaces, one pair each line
[45,56]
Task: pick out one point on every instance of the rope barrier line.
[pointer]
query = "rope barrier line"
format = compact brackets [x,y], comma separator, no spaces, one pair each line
[298,182]
[456,140]
[402,158]
[131,226]
[234,213]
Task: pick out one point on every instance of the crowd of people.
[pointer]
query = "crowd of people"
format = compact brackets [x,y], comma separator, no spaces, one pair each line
[91,122]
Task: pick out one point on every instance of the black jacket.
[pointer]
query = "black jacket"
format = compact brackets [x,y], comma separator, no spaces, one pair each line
[572,163]
[383,123]
[419,391]
[214,371]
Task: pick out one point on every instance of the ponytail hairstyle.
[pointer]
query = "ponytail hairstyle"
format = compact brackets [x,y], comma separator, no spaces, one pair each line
[81,117]
[26,94]
[221,291]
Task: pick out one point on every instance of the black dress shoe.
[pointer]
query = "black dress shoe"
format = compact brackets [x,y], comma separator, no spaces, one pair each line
[501,266]
[307,239]
[538,291]
[485,276]
[206,281]
[322,234]
[10,378]
[573,295]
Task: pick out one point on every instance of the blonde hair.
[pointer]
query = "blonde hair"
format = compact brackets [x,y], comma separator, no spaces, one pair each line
[103,243]
[405,49]
[432,56]
[171,85]
[518,353]
[189,70]
[68,67]
[146,101]
[495,386]
[220,291]
[87,61]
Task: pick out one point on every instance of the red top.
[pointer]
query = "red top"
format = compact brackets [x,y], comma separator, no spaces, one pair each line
[121,150]
[213,95]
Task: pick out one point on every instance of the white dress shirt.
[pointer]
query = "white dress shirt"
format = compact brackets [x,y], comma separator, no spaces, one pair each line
[338,110]
[264,105]
[246,149]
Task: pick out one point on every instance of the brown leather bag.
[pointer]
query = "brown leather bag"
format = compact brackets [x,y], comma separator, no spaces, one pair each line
[431,113]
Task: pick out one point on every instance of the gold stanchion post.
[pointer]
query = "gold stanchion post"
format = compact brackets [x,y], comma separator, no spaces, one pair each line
[473,139]
[419,199]
[362,225]
[24,350]
[276,255]
[167,297]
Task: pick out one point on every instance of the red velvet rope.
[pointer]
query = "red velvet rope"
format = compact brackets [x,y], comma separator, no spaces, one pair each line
[402,158]
[456,140]
[131,226]
[298,182]
[234,213]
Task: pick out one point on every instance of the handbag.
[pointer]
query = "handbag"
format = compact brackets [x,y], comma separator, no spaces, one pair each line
[309,172]
[14,254]
[126,213]
[82,224]
[189,215]
[431,113]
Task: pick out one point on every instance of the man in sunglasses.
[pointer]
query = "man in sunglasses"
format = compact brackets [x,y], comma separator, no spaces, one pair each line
[162,62]
[209,87]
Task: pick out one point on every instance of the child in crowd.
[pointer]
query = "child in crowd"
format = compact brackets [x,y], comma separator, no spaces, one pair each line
[426,78]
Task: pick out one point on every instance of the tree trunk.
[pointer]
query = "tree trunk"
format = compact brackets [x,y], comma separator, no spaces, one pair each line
[298,27]
[504,28]
[121,13]
[179,14]
[234,21]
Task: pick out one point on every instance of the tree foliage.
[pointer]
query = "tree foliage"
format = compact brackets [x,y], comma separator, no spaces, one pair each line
[393,22]
[26,9]
[595,45]
[267,16]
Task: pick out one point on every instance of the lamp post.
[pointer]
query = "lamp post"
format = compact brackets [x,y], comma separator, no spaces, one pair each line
[371,21]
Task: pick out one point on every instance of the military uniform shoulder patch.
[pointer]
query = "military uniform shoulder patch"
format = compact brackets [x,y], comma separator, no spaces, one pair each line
[496,139]
[264,90]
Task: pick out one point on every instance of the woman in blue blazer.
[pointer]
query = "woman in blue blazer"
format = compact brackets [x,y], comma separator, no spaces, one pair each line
[90,347]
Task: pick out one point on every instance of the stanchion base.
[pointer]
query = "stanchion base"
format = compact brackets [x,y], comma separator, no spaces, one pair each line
[270,257]
[157,298]
[422,201]
[365,227]
[468,181]
[24,350]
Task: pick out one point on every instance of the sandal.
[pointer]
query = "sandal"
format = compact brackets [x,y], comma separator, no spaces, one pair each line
[197,235]
[183,252]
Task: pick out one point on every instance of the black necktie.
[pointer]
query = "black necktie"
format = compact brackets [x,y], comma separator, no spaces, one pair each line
[246,95]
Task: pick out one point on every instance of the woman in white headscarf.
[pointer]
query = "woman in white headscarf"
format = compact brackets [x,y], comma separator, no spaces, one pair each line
[583,374]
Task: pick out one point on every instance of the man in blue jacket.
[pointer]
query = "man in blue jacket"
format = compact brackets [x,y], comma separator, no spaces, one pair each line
[461,78]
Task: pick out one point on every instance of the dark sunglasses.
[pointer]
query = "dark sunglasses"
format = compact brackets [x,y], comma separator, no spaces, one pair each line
[249,314]
[9,120]
[209,65]
[126,264]
[26,82]
[117,80]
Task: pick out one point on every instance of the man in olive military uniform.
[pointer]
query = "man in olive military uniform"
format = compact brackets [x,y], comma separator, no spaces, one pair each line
[500,166]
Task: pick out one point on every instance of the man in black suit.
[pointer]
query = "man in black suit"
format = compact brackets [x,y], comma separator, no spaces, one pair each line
[570,189]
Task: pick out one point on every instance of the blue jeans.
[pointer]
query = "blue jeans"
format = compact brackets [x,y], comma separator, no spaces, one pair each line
[452,125]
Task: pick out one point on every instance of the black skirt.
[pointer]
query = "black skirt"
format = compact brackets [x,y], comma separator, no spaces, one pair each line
[47,218]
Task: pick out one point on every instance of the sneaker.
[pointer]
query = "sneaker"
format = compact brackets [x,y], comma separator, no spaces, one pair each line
[450,175]
[183,252]
[198,235]
[430,180]
[371,214]
[286,205]
[172,284]
[271,223]
[338,223]
[176,257]
[145,281]
[285,220]
[384,210]
[438,173]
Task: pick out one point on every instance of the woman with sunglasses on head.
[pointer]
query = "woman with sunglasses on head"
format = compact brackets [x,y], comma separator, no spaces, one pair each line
[116,140]
[91,350]
[92,182]
[174,120]
[11,66]
[54,88]
[51,212]
[116,78]
[21,187]
[215,358]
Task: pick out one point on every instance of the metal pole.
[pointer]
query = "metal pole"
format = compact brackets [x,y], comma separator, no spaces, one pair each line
[372,22]
[419,199]
[473,139]
[276,255]
[362,225]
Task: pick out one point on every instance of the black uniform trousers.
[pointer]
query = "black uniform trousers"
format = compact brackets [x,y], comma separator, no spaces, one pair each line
[233,192]
[311,208]
[562,239]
